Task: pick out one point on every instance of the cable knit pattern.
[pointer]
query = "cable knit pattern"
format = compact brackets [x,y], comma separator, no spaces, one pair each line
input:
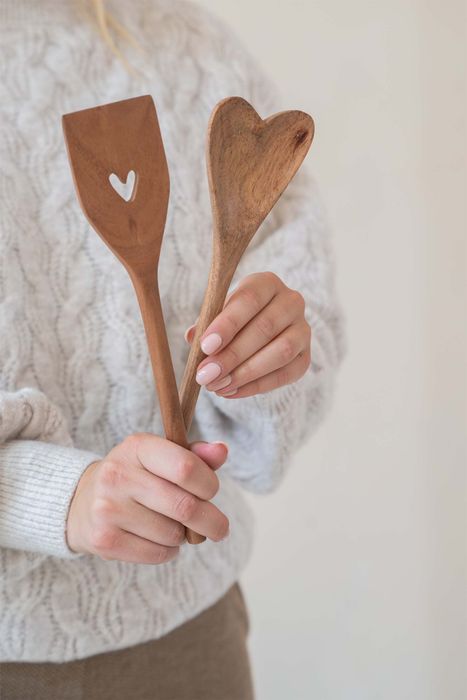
[75,375]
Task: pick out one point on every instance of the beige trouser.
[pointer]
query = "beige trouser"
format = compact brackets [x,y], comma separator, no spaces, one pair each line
[204,659]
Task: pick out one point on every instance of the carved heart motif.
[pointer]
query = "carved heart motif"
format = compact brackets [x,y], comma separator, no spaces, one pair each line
[251,161]
[124,189]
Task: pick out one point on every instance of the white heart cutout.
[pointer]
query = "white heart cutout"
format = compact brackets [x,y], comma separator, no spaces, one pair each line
[124,189]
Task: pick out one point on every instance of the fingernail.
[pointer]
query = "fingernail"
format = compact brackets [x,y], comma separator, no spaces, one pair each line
[220,442]
[208,373]
[230,393]
[211,343]
[187,332]
[221,384]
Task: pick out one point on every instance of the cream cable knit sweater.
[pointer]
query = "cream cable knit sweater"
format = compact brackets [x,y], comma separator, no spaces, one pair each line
[75,377]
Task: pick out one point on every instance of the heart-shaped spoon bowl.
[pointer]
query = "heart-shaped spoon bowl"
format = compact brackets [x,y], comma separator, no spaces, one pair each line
[250,162]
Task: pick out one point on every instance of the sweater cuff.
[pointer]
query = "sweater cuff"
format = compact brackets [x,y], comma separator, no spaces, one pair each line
[37,483]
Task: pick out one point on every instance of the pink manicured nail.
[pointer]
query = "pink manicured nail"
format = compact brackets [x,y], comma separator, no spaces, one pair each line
[211,343]
[229,393]
[208,373]
[221,384]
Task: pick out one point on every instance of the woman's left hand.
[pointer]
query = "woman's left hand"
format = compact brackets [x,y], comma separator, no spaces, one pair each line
[260,341]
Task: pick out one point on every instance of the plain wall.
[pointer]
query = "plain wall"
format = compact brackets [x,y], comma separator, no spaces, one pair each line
[357,587]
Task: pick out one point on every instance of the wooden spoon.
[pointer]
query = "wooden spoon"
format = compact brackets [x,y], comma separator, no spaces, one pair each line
[105,145]
[250,162]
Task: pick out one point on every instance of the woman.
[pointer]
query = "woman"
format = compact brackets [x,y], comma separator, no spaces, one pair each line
[99,595]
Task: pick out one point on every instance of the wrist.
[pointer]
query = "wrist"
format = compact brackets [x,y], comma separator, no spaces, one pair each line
[74,518]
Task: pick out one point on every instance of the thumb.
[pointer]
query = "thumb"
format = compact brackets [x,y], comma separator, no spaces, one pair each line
[213,453]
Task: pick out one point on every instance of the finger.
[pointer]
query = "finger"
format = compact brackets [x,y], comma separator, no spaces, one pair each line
[164,497]
[190,334]
[213,453]
[190,331]
[176,464]
[280,377]
[114,543]
[248,298]
[280,352]
[150,525]
[280,313]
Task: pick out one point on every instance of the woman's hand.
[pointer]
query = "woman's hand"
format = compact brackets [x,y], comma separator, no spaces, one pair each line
[259,342]
[134,504]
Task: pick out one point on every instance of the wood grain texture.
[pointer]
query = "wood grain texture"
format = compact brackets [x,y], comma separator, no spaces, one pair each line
[117,138]
[250,162]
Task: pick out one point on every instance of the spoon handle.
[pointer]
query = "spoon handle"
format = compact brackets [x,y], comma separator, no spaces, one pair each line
[213,302]
[162,367]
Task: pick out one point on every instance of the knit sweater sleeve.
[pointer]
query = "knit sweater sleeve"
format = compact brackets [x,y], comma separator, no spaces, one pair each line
[39,471]
[263,431]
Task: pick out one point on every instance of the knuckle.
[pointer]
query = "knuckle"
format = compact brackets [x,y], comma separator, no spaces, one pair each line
[110,474]
[230,357]
[272,278]
[185,507]
[266,325]
[212,488]
[215,485]
[134,440]
[287,349]
[232,324]
[104,540]
[186,468]
[297,299]
[102,510]
[250,297]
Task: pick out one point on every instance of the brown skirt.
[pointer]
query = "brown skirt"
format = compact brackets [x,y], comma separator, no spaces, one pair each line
[205,659]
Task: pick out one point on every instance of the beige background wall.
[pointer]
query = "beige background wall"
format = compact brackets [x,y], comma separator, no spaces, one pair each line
[358,584]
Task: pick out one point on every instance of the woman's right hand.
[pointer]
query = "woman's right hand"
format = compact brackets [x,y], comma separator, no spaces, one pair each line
[134,504]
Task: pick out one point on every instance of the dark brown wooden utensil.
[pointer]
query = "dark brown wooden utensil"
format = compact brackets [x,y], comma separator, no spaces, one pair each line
[250,162]
[112,141]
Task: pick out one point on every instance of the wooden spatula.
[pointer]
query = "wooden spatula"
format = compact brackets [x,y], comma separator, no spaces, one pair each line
[108,147]
[250,162]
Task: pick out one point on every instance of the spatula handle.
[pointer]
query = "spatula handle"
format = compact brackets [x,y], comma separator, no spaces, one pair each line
[213,302]
[162,367]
